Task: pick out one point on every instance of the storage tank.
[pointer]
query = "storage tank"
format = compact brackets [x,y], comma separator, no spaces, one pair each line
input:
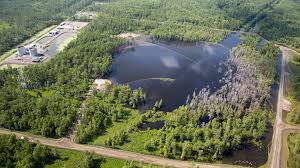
[33,52]
[21,50]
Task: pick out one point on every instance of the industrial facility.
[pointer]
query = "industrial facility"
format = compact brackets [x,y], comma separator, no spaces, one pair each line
[46,46]
[32,51]
[21,50]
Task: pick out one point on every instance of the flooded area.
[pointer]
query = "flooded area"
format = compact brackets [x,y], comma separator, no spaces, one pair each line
[172,70]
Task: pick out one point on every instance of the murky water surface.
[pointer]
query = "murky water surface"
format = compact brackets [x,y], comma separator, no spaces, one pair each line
[173,70]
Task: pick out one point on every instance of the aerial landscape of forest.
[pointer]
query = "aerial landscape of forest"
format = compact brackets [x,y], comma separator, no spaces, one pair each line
[150,83]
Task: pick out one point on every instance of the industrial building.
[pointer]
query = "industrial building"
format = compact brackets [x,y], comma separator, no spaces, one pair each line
[21,50]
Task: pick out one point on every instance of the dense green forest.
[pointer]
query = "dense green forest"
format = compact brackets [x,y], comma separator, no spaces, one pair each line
[294,149]
[21,19]
[44,98]
[191,20]
[222,14]
[21,153]
[282,23]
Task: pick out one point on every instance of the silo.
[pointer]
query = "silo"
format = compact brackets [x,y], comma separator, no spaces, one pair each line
[21,50]
[33,52]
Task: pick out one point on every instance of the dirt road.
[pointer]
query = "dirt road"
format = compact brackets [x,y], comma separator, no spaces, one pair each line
[120,154]
[280,126]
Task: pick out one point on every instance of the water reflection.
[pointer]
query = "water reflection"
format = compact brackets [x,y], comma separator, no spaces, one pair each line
[191,66]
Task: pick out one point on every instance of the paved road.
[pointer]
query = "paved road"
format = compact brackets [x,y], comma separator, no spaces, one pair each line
[120,154]
[280,125]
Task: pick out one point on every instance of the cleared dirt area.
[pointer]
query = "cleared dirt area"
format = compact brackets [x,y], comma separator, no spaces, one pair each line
[129,35]
[101,84]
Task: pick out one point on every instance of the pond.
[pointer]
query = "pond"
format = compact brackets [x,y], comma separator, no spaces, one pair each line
[172,70]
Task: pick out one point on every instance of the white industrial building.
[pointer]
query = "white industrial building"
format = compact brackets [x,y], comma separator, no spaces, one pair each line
[21,50]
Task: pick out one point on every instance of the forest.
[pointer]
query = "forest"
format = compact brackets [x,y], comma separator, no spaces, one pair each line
[21,19]
[294,150]
[282,23]
[22,153]
[44,99]
[105,108]
[210,125]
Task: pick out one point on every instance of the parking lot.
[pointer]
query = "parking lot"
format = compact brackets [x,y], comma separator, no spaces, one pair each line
[48,45]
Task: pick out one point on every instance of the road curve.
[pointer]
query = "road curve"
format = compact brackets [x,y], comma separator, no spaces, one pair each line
[279,125]
[114,153]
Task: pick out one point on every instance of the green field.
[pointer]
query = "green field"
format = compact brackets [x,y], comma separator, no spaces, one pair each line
[69,158]
[136,138]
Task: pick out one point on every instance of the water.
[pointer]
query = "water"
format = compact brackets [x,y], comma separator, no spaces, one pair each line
[173,70]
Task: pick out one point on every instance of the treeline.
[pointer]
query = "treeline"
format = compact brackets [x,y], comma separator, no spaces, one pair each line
[188,21]
[21,19]
[212,125]
[104,109]
[222,14]
[21,153]
[45,98]
[281,23]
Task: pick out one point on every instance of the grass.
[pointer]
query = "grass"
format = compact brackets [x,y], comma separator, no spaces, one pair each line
[137,141]
[117,126]
[137,138]
[66,42]
[70,158]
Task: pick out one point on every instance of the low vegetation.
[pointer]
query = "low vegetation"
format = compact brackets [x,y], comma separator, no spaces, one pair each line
[104,109]
[294,90]
[294,150]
